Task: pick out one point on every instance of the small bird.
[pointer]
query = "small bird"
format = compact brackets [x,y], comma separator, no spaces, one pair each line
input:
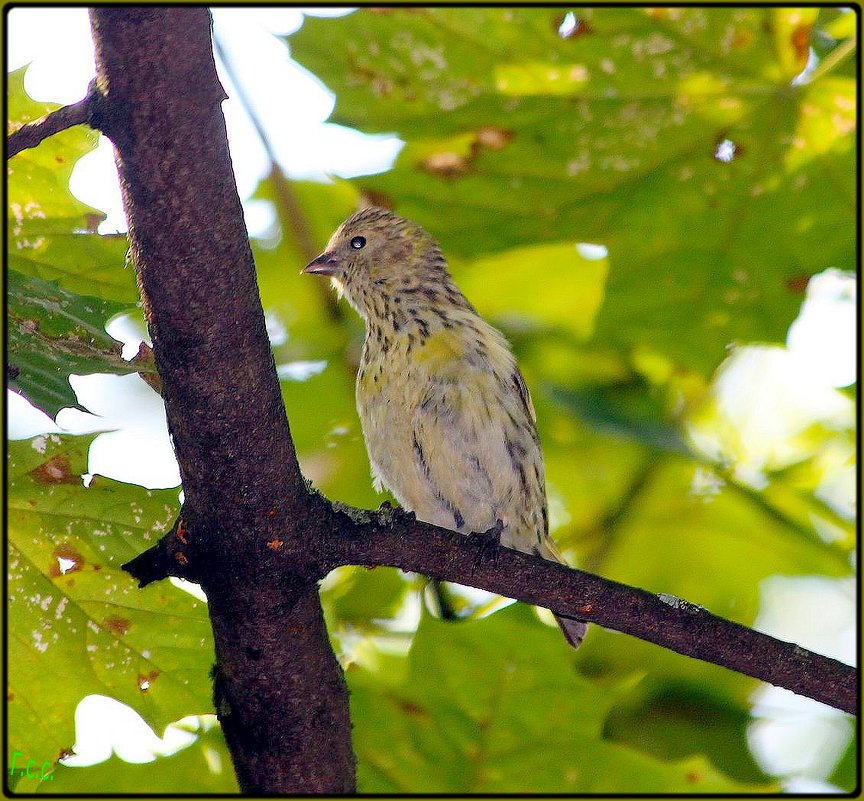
[448,422]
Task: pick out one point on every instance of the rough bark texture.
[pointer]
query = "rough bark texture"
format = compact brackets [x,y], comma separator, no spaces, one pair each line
[32,133]
[356,537]
[250,532]
[280,693]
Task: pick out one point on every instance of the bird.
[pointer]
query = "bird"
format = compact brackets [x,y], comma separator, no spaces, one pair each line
[448,421]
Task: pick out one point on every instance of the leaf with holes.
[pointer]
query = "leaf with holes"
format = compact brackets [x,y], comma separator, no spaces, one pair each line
[52,333]
[77,623]
[674,137]
[51,234]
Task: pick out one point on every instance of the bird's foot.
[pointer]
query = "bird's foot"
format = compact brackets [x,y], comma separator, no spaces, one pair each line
[487,543]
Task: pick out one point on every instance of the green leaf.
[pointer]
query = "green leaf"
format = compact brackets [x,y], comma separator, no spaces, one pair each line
[544,268]
[202,767]
[606,409]
[50,234]
[668,721]
[494,706]
[846,775]
[365,595]
[518,136]
[53,333]
[77,623]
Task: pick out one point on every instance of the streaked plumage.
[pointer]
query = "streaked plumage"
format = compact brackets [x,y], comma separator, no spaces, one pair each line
[447,418]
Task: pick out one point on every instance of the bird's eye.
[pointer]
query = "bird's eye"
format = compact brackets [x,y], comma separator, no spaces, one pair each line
[358,242]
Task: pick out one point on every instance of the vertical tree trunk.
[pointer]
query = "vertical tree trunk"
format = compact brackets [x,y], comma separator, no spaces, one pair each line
[280,693]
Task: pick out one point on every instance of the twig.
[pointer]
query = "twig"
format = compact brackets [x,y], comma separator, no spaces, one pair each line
[34,133]
[294,215]
[830,61]
[288,207]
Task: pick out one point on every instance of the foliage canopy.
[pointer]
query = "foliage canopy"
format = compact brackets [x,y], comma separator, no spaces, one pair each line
[528,134]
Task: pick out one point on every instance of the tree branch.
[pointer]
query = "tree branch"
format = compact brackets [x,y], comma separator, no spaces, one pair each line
[250,532]
[347,536]
[280,694]
[665,620]
[288,208]
[32,134]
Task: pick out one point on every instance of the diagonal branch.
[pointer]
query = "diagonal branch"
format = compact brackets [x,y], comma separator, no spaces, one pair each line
[396,539]
[665,620]
[32,134]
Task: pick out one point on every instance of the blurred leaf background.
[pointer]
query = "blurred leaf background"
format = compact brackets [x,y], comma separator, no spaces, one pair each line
[639,199]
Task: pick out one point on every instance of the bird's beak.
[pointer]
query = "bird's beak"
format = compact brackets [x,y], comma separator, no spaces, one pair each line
[325,264]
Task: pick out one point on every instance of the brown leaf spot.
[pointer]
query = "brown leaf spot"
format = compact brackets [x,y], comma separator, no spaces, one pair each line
[370,197]
[72,560]
[693,777]
[445,164]
[797,284]
[801,42]
[742,40]
[145,680]
[493,138]
[55,471]
[59,159]
[410,708]
[91,222]
[380,84]
[65,753]
[117,625]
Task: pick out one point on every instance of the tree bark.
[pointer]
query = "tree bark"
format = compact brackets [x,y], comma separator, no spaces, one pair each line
[345,536]
[31,134]
[250,531]
[280,693]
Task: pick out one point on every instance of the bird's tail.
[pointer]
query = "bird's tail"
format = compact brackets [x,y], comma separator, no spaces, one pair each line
[573,628]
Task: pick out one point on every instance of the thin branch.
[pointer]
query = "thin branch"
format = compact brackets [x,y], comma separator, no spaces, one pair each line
[396,539]
[32,134]
[290,211]
[293,215]
[665,620]
[829,62]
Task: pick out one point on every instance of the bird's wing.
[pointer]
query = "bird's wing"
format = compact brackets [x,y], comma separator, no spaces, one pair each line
[454,458]
[478,459]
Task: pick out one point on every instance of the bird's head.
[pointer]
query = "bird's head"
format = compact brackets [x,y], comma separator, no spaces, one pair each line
[376,256]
